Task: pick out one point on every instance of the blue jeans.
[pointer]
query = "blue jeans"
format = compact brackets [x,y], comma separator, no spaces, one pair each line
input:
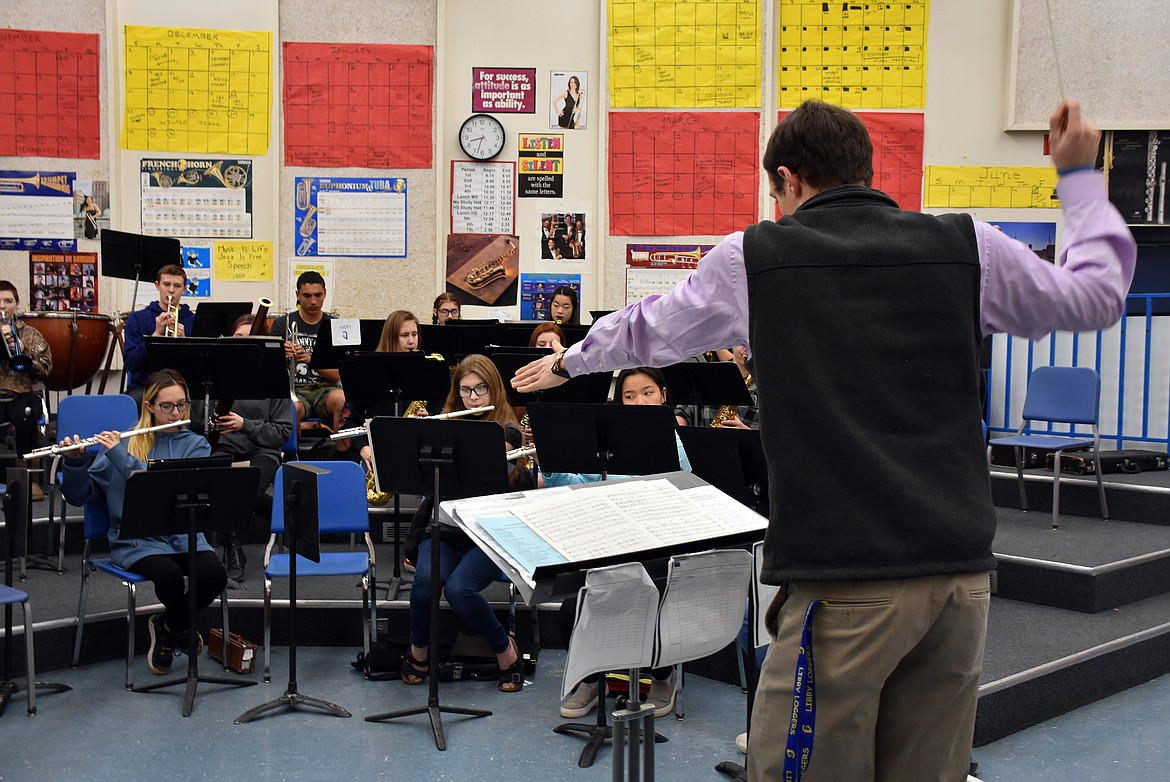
[462,576]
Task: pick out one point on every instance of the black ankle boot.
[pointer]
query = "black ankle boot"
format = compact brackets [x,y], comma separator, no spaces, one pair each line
[234,557]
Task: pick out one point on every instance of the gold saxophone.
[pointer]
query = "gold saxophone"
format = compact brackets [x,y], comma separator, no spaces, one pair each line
[727,412]
[373,496]
[491,271]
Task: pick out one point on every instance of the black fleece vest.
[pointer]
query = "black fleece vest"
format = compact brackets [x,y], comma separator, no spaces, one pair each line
[865,332]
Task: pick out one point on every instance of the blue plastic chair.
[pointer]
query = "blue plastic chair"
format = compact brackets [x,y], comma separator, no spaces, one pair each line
[1068,395]
[10,596]
[341,507]
[85,416]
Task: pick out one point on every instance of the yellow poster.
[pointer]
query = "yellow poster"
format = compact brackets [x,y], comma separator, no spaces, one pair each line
[990,187]
[696,54]
[190,90]
[243,261]
[857,55]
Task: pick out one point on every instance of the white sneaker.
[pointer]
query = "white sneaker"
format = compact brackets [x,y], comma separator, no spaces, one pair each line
[581,701]
[662,694]
[741,743]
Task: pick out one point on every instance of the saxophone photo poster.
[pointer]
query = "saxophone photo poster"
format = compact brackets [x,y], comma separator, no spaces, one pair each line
[483,268]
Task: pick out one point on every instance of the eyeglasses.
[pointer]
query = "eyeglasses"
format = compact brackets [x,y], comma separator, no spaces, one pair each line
[170,407]
[449,313]
[477,391]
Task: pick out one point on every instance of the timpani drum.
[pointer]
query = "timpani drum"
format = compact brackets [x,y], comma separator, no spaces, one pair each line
[78,342]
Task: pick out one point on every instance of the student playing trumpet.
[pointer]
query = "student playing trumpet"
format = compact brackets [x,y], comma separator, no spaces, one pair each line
[166,316]
[28,361]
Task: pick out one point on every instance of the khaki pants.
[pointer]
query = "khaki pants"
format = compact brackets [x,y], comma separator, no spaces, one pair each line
[897,668]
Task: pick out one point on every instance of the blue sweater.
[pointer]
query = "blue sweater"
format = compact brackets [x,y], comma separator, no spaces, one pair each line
[140,325]
[90,479]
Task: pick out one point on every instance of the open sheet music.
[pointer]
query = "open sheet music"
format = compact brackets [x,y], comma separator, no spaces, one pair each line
[525,531]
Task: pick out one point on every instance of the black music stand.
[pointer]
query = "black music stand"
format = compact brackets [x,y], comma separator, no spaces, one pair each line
[604,438]
[593,387]
[215,318]
[223,367]
[593,438]
[130,256]
[176,502]
[302,535]
[448,460]
[731,460]
[704,383]
[17,515]
[457,339]
[380,382]
[326,355]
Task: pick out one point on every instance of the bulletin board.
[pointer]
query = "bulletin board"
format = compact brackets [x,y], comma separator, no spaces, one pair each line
[1112,57]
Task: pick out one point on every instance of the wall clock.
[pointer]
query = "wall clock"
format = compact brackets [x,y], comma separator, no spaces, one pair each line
[481,136]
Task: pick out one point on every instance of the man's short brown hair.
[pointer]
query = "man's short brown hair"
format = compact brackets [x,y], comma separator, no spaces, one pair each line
[824,145]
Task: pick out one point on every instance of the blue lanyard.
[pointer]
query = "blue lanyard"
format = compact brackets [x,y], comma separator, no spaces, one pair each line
[799,748]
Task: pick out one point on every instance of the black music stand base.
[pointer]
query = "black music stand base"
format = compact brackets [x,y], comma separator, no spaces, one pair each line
[598,732]
[737,772]
[291,701]
[196,504]
[300,521]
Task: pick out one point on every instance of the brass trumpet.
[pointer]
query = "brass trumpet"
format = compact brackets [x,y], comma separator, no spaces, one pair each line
[172,329]
[17,359]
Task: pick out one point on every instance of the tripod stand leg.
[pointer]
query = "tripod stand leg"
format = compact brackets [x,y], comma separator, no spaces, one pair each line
[288,702]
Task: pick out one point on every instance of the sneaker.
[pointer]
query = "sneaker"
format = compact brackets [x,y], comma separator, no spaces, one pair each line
[407,565]
[741,743]
[662,694]
[161,653]
[580,701]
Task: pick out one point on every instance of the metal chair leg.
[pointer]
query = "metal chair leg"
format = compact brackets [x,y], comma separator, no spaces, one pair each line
[30,664]
[1020,478]
[267,629]
[81,601]
[131,611]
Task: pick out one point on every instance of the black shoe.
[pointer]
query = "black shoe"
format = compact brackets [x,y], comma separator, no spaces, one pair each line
[180,644]
[234,558]
[161,654]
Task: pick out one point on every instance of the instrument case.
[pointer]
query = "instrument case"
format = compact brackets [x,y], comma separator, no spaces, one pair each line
[1135,461]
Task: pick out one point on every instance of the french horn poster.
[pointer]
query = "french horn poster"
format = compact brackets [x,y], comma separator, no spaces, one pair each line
[206,197]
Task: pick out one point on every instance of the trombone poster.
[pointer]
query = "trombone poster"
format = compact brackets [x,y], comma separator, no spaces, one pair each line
[36,210]
[206,197]
[656,268]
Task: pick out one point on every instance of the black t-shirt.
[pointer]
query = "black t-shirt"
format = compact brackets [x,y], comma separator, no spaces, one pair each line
[306,337]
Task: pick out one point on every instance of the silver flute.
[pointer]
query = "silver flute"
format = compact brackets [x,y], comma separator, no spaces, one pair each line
[53,450]
[359,431]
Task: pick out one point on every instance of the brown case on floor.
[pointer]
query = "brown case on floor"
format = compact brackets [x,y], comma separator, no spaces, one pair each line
[241,652]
